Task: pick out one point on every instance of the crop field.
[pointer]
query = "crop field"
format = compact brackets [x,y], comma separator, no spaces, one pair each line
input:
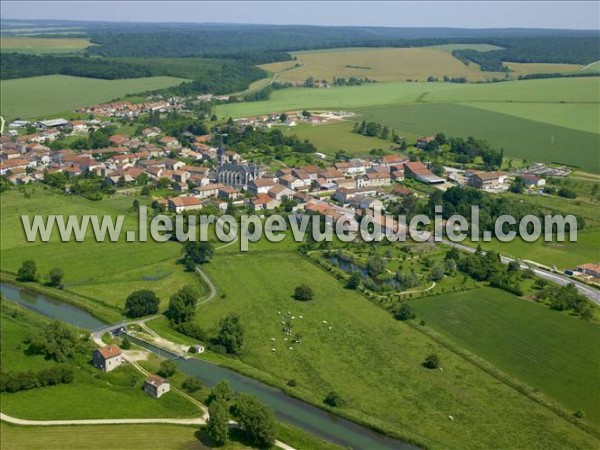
[258,284]
[42,45]
[592,68]
[39,96]
[546,349]
[381,64]
[520,138]
[91,395]
[108,271]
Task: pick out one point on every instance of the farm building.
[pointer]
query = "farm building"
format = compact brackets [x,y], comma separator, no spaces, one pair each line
[420,172]
[107,358]
[156,386]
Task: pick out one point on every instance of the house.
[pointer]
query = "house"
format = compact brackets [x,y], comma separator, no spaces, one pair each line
[228,193]
[366,202]
[393,160]
[79,126]
[209,190]
[533,180]
[264,201]
[590,269]
[180,204]
[418,171]
[156,386]
[118,139]
[374,179]
[343,195]
[261,185]
[402,191]
[11,164]
[486,180]
[281,193]
[423,141]
[107,358]
[151,132]
[169,142]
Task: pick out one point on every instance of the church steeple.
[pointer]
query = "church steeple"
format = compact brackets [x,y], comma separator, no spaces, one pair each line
[221,151]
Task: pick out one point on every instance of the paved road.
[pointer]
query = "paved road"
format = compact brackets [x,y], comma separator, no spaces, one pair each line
[563,280]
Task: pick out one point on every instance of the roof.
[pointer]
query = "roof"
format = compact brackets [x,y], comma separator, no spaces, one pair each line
[488,175]
[263,182]
[185,201]
[156,381]
[110,351]
[589,266]
[54,122]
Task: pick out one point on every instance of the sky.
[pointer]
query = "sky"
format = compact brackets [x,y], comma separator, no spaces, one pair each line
[459,14]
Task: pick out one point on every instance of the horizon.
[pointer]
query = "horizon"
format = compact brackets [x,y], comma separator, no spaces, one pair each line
[560,15]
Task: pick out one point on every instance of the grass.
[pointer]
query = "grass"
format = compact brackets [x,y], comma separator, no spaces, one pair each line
[520,138]
[42,45]
[553,352]
[108,271]
[330,138]
[92,395]
[101,437]
[526,68]
[50,94]
[563,255]
[373,361]
[381,64]
[592,68]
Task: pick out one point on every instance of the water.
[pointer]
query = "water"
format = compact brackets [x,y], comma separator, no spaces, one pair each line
[287,409]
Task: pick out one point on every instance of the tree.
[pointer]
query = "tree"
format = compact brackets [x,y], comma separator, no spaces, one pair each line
[136,204]
[256,419]
[231,333]
[303,293]
[221,391]
[404,312]
[125,343]
[198,252]
[375,265]
[27,271]
[437,272]
[217,426]
[167,368]
[141,303]
[191,384]
[56,341]
[334,400]
[354,280]
[55,277]
[283,117]
[182,305]
[385,133]
[432,361]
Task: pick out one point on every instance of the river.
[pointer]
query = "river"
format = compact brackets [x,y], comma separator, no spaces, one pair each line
[287,409]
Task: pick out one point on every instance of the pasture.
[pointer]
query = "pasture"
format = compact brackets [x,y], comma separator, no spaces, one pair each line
[381,64]
[400,396]
[527,68]
[34,45]
[51,94]
[548,350]
[107,271]
[520,138]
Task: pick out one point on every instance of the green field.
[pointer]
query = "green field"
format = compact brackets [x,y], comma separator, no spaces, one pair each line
[92,395]
[51,94]
[101,437]
[548,350]
[520,138]
[373,361]
[106,271]
[42,45]
[592,68]
[332,137]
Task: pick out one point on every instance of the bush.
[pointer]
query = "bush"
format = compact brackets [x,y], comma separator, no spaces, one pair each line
[303,293]
[292,383]
[432,361]
[334,400]
[404,312]
[192,384]
[167,368]
[22,381]
[354,281]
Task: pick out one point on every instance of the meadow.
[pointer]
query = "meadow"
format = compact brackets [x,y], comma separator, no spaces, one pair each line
[551,351]
[527,68]
[400,396]
[51,94]
[520,138]
[381,64]
[35,45]
[107,271]
[92,395]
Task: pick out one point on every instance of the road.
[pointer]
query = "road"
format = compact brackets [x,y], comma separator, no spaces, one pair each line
[562,280]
